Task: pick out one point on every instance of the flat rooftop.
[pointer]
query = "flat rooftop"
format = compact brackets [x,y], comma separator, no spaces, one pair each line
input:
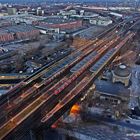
[23,17]
[20,28]
[57,20]
[2,31]
[111,88]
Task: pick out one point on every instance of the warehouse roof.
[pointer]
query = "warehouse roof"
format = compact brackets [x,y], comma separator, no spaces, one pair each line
[23,17]
[109,88]
[43,27]
[20,28]
[57,20]
[4,21]
[3,31]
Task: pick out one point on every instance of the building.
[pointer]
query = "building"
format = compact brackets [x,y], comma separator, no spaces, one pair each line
[39,12]
[121,74]
[109,91]
[3,14]
[120,8]
[45,30]
[113,98]
[5,36]
[101,21]
[11,11]
[24,18]
[61,23]
[116,14]
[67,13]
[22,32]
[18,32]
[82,12]
[4,23]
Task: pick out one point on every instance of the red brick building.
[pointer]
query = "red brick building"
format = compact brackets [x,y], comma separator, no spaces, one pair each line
[61,23]
[5,36]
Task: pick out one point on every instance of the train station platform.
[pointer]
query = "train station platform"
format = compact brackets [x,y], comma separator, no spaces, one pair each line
[13,76]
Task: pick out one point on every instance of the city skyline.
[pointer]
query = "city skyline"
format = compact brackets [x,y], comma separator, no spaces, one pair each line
[58,0]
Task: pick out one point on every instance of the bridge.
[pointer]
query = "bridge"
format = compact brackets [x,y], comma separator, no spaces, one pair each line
[38,102]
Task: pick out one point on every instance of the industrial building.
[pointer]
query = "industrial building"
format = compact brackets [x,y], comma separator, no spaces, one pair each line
[113,98]
[44,30]
[18,32]
[23,31]
[61,23]
[24,18]
[67,13]
[5,22]
[110,92]
[5,36]
[103,21]
[116,14]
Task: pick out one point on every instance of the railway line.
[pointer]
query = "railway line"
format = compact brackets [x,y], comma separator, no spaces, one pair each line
[49,100]
[13,105]
[76,92]
[57,91]
[40,101]
[57,67]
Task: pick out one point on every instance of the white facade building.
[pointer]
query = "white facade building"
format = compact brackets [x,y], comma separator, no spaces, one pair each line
[102,21]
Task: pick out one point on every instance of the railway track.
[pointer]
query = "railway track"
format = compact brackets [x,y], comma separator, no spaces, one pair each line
[45,95]
[83,85]
[40,101]
[13,104]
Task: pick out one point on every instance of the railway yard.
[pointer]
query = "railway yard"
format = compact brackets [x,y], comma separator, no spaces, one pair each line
[41,98]
[58,69]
